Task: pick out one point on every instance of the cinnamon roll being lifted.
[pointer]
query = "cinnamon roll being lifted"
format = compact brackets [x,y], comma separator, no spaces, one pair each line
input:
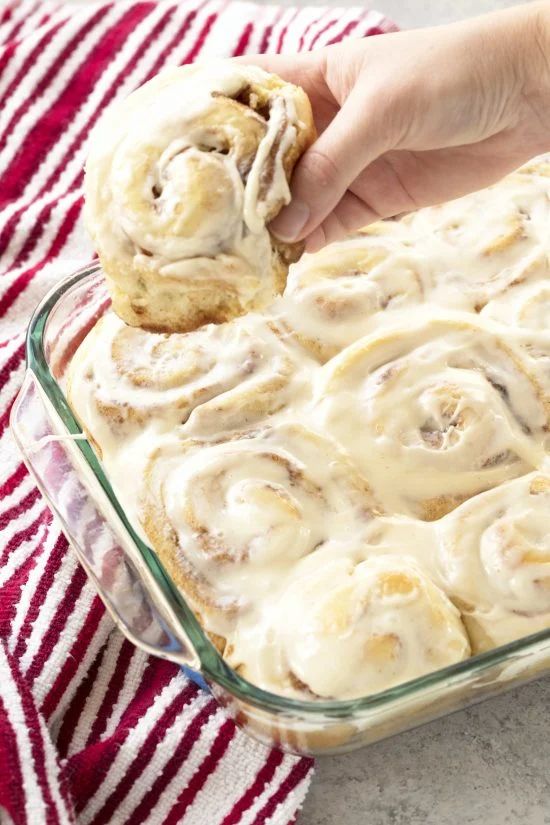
[436,411]
[494,560]
[229,518]
[350,624]
[182,178]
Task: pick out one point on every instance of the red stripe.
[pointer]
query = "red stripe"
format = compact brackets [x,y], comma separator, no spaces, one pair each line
[5,417]
[18,509]
[146,752]
[123,664]
[13,481]
[43,587]
[12,792]
[36,742]
[322,31]
[58,622]
[11,364]
[348,29]
[208,765]
[19,24]
[77,705]
[7,54]
[18,286]
[80,137]
[176,40]
[70,666]
[181,753]
[308,28]
[41,138]
[267,33]
[88,767]
[199,43]
[27,64]
[263,777]
[44,215]
[296,775]
[244,40]
[23,535]
[284,30]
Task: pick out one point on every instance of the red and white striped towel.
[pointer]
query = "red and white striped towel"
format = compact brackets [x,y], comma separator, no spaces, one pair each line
[91,729]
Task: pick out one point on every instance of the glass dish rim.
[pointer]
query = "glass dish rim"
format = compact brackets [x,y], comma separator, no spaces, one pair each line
[212,664]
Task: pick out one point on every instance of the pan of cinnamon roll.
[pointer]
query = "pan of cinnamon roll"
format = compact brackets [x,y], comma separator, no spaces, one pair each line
[343,473]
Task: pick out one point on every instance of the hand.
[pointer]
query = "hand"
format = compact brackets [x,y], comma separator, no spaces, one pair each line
[415,118]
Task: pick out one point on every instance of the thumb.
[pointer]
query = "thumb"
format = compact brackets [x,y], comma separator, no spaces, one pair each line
[349,143]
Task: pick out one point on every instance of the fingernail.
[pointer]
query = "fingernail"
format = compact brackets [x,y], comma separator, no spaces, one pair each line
[289,223]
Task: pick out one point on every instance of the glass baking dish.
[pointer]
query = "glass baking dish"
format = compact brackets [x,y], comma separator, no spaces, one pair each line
[146,604]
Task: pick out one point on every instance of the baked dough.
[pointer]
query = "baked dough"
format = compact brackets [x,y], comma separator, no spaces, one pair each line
[181,180]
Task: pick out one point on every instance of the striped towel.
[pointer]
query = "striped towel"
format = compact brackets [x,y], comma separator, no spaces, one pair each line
[91,729]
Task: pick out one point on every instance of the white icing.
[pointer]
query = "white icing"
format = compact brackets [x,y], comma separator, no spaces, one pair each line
[436,389]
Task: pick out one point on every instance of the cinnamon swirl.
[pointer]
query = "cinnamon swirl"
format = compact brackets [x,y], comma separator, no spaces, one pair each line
[229,518]
[349,625]
[436,411]
[332,296]
[495,561]
[221,377]
[182,178]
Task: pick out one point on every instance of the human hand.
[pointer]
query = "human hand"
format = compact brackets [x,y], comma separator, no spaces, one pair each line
[415,118]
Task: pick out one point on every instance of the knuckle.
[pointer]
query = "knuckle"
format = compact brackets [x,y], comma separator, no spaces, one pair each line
[321,169]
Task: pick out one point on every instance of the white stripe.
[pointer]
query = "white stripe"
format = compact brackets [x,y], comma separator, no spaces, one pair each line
[39,69]
[29,588]
[19,523]
[296,30]
[18,13]
[132,680]
[35,808]
[73,167]
[199,751]
[286,809]
[60,583]
[97,693]
[31,23]
[16,497]
[19,237]
[62,79]
[12,384]
[44,682]
[281,772]
[19,556]
[127,752]
[224,783]
[25,48]
[162,755]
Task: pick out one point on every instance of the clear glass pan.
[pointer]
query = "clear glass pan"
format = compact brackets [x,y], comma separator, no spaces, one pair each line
[148,607]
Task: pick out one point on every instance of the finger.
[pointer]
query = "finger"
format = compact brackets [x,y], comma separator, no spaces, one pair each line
[349,143]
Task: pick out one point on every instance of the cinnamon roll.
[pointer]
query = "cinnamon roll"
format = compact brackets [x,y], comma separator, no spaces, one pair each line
[480,245]
[436,411]
[331,296]
[229,518]
[495,561]
[349,625]
[181,180]
[221,377]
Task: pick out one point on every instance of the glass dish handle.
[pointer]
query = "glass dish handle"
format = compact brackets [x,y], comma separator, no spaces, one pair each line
[119,577]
